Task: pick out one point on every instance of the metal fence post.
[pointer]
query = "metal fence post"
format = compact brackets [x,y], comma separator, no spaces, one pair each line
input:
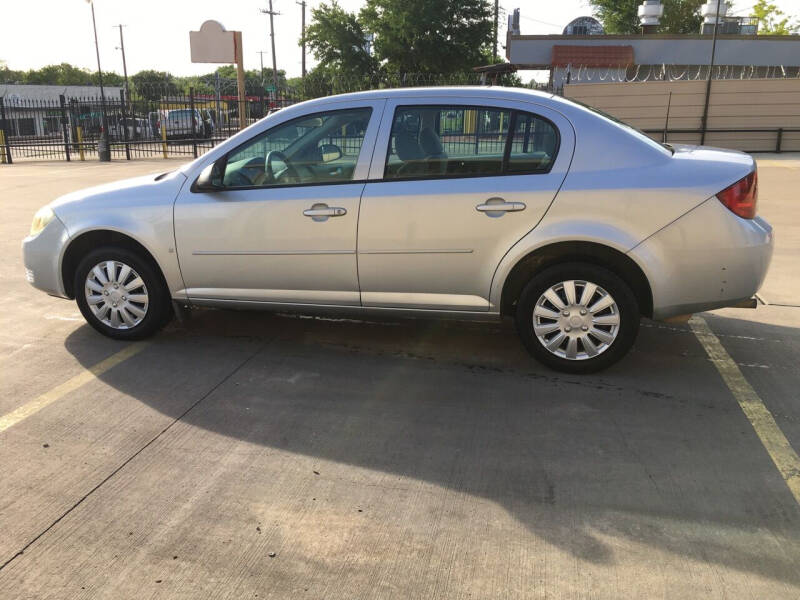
[125,124]
[779,140]
[62,102]
[194,122]
[4,132]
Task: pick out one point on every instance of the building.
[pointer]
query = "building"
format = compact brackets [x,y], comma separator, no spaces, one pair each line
[583,54]
[34,110]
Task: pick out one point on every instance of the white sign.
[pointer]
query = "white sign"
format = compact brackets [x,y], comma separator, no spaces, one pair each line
[213,44]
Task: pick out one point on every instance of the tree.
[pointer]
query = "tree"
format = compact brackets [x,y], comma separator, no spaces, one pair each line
[339,42]
[152,85]
[770,21]
[621,16]
[681,16]
[618,16]
[61,74]
[429,36]
[11,76]
[254,82]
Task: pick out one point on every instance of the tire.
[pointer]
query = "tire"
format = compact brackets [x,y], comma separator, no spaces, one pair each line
[141,309]
[598,342]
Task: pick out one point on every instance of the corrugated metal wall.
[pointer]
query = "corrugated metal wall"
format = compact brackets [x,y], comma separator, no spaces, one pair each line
[770,104]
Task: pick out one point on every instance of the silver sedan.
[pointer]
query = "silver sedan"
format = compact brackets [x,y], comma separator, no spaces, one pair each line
[471,203]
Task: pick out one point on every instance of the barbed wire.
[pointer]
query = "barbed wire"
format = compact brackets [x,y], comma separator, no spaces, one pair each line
[669,72]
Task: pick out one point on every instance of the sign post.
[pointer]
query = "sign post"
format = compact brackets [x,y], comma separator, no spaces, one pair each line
[214,44]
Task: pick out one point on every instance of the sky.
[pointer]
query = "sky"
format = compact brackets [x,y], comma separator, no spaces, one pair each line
[42,32]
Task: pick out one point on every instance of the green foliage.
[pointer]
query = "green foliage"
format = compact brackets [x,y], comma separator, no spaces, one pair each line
[772,20]
[254,82]
[621,16]
[62,74]
[152,85]
[618,16]
[10,76]
[429,36]
[681,16]
[440,37]
[338,41]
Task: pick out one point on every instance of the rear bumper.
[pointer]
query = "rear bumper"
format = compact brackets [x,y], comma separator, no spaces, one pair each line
[707,259]
[42,258]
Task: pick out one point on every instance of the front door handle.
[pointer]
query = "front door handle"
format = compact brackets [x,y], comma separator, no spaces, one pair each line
[321,212]
[495,207]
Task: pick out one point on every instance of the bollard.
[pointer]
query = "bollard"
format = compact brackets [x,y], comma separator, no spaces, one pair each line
[2,145]
[79,131]
[164,135]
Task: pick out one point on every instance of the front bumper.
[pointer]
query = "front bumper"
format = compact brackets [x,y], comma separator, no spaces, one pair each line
[42,258]
[707,259]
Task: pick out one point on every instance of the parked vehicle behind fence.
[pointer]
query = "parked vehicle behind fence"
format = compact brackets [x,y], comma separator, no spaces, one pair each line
[179,123]
[471,203]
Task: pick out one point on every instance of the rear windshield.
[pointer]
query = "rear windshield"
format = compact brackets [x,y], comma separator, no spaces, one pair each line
[630,128]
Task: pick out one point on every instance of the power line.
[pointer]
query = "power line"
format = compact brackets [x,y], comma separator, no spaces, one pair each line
[539,21]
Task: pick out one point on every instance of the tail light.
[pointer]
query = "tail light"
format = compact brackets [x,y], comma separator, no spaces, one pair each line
[742,196]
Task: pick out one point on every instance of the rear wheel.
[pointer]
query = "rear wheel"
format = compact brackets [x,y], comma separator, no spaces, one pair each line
[120,294]
[577,317]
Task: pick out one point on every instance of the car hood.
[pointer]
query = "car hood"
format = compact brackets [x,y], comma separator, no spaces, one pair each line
[145,190]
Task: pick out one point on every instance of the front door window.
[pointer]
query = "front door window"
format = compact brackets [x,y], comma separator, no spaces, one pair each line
[313,149]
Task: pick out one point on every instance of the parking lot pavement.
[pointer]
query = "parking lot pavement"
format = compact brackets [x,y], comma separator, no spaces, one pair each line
[245,455]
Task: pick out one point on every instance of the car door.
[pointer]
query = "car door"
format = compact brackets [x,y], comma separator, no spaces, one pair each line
[450,192]
[282,227]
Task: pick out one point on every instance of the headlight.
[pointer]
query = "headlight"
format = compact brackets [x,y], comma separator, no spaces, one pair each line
[40,220]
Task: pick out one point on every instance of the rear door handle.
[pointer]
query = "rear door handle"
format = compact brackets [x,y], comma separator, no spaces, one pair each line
[500,207]
[321,212]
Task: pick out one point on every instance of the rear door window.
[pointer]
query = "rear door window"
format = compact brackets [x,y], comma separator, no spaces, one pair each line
[533,144]
[429,142]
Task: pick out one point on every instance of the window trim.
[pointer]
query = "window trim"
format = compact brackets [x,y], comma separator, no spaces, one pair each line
[506,152]
[222,161]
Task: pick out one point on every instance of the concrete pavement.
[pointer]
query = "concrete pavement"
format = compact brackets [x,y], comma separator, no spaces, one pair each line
[250,455]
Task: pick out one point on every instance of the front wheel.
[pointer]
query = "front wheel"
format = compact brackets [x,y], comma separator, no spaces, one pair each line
[120,294]
[577,317]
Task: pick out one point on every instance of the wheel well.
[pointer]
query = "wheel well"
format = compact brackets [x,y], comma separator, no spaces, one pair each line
[588,252]
[86,242]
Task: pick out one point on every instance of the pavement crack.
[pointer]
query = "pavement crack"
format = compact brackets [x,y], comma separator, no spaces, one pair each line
[155,438]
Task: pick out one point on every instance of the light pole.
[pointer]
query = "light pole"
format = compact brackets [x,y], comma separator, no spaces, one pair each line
[708,82]
[103,151]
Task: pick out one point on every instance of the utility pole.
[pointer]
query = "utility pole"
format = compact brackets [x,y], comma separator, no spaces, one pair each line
[261,54]
[303,33]
[272,14]
[124,64]
[496,28]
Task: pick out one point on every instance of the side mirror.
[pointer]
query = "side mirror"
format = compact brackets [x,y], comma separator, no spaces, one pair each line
[210,178]
[330,152]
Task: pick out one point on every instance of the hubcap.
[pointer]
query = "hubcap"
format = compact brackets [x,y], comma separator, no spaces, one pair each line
[576,320]
[116,294]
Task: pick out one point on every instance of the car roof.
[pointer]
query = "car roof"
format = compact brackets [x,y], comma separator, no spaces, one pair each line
[484,91]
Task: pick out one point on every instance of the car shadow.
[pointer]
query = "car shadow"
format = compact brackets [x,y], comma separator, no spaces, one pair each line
[654,451]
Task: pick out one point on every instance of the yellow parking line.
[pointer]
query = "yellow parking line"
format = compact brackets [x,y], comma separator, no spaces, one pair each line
[776,444]
[34,406]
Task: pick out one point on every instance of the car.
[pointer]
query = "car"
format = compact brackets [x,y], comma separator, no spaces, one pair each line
[138,129]
[465,202]
[178,123]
